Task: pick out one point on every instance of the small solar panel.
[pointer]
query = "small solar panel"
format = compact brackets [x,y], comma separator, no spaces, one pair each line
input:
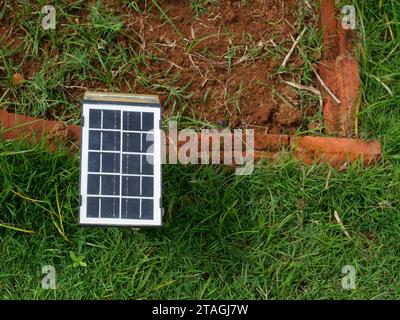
[120,181]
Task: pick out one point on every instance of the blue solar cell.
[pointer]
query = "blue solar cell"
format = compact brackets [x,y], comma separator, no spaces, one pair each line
[94,140]
[111,119]
[131,163]
[94,162]
[93,207]
[130,186]
[147,121]
[130,208]
[131,142]
[147,142]
[109,207]
[95,119]
[110,162]
[131,121]
[110,185]
[147,209]
[147,164]
[147,186]
[93,184]
[111,140]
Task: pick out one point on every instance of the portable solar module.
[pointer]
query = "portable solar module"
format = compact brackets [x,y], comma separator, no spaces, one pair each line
[120,181]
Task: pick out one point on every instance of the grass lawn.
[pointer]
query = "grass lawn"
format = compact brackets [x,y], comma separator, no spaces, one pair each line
[270,235]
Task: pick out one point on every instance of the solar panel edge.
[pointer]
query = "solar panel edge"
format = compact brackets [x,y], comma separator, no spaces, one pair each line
[123,103]
[118,97]
[82,121]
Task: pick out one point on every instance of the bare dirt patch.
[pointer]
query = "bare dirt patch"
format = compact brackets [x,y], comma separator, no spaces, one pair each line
[219,67]
[221,89]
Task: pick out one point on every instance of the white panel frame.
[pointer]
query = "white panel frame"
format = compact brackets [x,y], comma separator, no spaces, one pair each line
[157,217]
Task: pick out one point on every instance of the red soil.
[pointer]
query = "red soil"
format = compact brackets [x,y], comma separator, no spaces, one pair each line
[340,72]
[257,105]
[237,93]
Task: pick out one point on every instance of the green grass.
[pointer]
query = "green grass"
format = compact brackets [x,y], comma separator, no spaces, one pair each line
[270,235]
[380,114]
